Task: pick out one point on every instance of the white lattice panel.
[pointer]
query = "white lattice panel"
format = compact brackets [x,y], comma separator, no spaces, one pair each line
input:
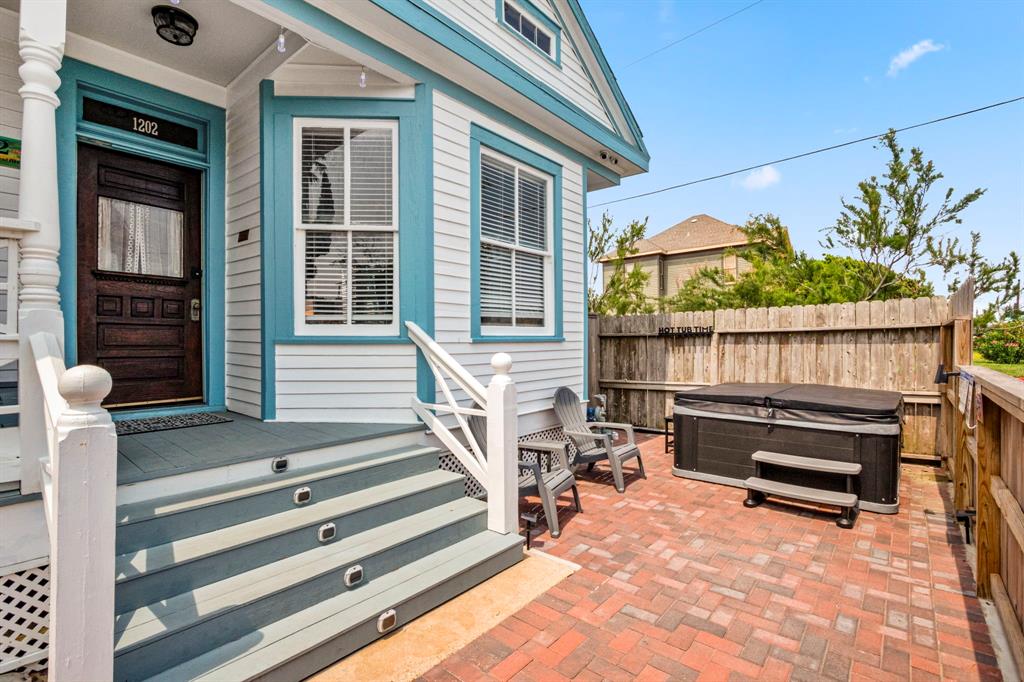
[450,462]
[24,619]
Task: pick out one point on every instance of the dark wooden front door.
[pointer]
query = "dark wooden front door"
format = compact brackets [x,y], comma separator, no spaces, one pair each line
[139,276]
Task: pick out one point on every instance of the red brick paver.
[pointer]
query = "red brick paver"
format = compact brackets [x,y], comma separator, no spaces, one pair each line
[681,582]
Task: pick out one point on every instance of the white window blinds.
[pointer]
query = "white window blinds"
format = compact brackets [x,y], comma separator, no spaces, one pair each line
[515,258]
[346,226]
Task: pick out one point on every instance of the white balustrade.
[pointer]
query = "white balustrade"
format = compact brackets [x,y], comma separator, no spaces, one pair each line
[496,470]
[79,484]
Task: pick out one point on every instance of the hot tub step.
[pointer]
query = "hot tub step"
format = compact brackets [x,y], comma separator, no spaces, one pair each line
[757,488]
[827,466]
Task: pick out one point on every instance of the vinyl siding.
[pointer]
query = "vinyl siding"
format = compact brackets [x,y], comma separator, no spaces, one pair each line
[648,264]
[680,268]
[242,297]
[570,80]
[538,368]
[346,382]
[10,107]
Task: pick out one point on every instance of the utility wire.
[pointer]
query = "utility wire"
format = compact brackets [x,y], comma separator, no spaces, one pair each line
[810,153]
[691,35]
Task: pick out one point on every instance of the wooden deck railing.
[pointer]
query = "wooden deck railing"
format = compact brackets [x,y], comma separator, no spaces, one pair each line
[994,469]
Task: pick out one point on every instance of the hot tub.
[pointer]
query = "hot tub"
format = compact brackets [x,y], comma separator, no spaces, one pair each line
[718,428]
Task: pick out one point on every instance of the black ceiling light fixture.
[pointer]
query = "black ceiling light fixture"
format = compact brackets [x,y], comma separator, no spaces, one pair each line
[174,25]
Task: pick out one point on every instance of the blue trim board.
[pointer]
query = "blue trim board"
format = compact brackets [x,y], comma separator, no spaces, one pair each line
[415,222]
[606,69]
[538,17]
[79,79]
[446,32]
[586,293]
[331,25]
[479,136]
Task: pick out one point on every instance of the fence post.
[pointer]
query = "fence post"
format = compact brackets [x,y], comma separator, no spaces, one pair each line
[84,487]
[502,439]
[988,514]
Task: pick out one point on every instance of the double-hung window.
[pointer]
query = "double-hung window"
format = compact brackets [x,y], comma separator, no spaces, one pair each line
[346,227]
[515,247]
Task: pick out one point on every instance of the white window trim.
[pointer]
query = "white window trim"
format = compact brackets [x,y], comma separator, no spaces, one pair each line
[549,259]
[300,228]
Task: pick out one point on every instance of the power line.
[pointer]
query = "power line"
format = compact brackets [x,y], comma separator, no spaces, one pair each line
[691,35]
[810,153]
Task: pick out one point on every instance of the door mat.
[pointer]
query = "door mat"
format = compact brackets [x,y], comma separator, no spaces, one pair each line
[129,427]
[438,634]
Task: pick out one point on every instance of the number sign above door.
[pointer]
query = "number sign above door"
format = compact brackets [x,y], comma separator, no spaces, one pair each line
[140,123]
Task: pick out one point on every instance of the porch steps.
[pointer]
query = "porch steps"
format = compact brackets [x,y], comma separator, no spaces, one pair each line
[297,646]
[230,574]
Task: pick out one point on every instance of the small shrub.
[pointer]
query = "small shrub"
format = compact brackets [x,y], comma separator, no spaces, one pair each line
[1003,343]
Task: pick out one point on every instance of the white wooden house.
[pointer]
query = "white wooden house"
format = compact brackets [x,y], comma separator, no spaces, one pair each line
[333,223]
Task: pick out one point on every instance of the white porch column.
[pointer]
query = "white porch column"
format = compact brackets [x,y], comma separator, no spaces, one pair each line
[502,449]
[41,46]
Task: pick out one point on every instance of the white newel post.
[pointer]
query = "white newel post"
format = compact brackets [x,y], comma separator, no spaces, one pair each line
[502,439]
[41,46]
[83,493]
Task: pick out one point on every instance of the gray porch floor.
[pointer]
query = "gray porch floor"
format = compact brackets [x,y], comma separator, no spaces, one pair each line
[145,456]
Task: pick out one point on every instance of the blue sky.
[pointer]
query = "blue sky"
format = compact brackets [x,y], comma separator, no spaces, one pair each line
[786,77]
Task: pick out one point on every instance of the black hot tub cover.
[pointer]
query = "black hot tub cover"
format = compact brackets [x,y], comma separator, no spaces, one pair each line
[805,399]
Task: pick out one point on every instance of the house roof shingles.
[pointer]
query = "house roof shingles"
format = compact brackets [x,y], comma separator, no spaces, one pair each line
[696,233]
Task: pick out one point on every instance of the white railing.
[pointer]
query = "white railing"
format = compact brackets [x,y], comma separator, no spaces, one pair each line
[79,485]
[493,463]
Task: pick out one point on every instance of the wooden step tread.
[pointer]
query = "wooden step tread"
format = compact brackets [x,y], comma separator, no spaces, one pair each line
[134,564]
[799,492]
[288,639]
[138,512]
[151,623]
[827,466]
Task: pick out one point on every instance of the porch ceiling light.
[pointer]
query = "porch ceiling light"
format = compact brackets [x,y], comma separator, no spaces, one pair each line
[174,25]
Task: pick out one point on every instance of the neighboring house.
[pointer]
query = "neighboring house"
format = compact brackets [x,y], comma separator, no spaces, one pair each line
[676,254]
[316,219]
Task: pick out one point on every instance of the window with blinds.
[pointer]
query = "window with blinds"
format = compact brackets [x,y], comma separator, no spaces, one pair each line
[515,244]
[346,226]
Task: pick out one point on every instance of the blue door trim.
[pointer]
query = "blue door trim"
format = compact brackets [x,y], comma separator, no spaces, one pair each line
[78,79]
[415,218]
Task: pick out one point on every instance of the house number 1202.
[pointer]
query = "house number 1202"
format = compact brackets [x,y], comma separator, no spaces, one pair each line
[142,125]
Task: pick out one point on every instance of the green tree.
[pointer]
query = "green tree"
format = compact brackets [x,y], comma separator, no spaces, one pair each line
[625,291]
[890,227]
[779,275]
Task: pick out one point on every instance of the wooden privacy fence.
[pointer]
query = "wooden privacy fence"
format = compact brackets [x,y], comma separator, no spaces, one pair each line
[988,474]
[640,361]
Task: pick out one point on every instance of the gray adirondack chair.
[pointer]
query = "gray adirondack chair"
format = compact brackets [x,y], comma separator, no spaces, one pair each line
[533,480]
[596,447]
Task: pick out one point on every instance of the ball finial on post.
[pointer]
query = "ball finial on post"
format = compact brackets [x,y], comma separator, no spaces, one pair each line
[85,385]
[501,363]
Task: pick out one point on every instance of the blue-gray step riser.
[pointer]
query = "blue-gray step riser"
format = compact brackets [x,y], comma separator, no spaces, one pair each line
[170,527]
[345,643]
[152,587]
[158,655]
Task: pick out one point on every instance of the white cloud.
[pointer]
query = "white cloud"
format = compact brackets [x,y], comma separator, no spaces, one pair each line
[912,54]
[761,178]
[666,11]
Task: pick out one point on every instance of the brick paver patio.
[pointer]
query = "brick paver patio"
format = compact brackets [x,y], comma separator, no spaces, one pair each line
[681,582]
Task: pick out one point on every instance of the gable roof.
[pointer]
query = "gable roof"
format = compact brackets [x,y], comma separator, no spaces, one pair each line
[697,233]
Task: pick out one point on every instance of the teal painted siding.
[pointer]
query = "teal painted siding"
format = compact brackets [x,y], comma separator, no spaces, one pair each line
[481,137]
[79,79]
[415,229]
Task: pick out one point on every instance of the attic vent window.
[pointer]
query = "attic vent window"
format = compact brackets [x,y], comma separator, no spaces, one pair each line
[528,28]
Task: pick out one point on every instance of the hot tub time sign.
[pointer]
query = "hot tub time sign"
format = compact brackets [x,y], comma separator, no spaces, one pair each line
[686,331]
